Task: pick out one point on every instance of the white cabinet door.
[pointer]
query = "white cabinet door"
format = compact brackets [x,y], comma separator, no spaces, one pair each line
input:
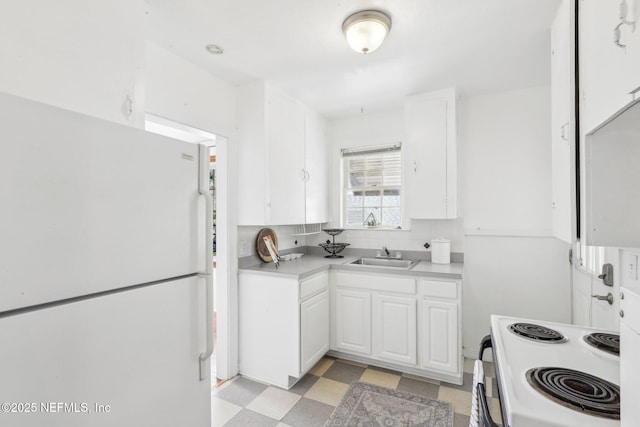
[439,324]
[394,328]
[430,156]
[562,125]
[271,156]
[252,176]
[285,130]
[353,321]
[631,39]
[316,164]
[314,330]
[603,65]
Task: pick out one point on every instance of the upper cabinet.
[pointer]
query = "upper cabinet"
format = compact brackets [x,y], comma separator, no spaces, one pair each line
[632,50]
[282,159]
[562,121]
[609,59]
[429,150]
[609,64]
[316,166]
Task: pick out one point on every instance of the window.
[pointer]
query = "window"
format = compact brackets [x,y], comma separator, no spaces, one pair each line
[590,258]
[372,179]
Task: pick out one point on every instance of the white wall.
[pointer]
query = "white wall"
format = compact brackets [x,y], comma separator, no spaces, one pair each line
[185,93]
[512,265]
[379,128]
[515,276]
[83,56]
[505,162]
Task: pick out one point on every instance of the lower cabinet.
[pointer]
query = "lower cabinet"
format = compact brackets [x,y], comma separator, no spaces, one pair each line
[353,321]
[394,328]
[314,330]
[402,322]
[439,331]
[283,326]
[439,336]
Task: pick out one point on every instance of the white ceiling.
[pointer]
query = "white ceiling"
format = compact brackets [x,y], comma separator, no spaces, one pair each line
[479,46]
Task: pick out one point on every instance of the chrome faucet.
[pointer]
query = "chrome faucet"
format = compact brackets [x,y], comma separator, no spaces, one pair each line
[388,255]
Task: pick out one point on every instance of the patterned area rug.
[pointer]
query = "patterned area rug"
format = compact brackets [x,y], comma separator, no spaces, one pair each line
[368,405]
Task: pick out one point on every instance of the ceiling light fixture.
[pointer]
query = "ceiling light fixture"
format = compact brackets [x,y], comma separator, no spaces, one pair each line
[214,49]
[365,30]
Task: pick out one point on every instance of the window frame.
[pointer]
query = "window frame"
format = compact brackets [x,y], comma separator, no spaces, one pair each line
[344,187]
[590,259]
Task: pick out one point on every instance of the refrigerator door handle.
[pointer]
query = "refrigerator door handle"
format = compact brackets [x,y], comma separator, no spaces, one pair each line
[205,357]
[207,273]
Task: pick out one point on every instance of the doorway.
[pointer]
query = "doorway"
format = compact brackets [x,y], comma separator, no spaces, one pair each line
[182,132]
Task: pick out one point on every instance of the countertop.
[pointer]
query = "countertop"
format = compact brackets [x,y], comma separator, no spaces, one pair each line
[312,264]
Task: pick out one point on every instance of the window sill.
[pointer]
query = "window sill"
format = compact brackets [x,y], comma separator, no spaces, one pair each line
[375,229]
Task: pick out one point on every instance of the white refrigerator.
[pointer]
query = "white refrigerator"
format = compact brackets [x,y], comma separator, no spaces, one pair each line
[105,273]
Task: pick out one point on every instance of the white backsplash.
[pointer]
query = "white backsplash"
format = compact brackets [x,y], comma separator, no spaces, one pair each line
[422,231]
[400,240]
[247,236]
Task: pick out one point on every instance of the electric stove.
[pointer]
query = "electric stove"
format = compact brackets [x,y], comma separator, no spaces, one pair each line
[554,374]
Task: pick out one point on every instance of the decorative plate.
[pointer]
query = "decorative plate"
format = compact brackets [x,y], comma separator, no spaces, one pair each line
[261,248]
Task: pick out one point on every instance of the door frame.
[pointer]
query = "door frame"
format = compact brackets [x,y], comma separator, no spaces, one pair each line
[226,289]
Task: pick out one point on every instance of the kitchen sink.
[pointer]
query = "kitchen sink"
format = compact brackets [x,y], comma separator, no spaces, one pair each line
[404,264]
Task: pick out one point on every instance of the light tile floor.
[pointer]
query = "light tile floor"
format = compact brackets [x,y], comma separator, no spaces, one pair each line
[245,403]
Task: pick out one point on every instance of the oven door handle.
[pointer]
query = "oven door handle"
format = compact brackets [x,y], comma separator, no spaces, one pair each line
[485,420]
[484,344]
[485,417]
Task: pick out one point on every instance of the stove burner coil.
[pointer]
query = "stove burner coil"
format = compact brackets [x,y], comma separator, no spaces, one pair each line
[605,342]
[537,332]
[576,390]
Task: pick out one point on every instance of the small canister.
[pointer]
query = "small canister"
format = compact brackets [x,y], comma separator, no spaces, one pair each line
[440,251]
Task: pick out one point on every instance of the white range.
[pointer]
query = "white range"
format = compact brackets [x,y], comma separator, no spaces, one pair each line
[549,374]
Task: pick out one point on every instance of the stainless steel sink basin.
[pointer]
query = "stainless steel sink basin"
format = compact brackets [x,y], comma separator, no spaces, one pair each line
[402,264]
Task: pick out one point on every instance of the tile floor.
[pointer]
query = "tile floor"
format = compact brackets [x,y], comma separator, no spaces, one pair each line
[245,403]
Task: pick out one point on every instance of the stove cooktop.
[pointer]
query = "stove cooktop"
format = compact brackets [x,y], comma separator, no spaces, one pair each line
[537,332]
[604,341]
[555,345]
[577,390]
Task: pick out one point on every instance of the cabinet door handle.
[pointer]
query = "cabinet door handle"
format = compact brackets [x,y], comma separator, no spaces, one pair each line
[563,131]
[307,175]
[415,166]
[303,174]
[617,35]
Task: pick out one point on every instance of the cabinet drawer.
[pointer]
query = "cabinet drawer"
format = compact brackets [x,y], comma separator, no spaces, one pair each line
[371,282]
[313,285]
[438,289]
